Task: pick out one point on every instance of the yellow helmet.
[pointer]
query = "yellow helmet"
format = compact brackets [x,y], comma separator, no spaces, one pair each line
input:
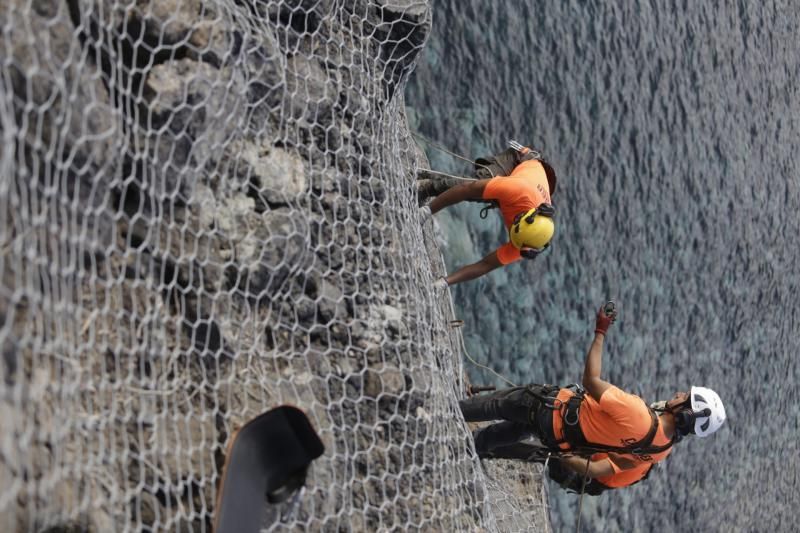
[533,229]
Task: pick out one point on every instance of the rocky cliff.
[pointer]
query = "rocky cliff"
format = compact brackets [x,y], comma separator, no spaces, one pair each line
[209,209]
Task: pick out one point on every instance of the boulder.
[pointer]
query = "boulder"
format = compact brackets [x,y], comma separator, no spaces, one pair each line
[278,174]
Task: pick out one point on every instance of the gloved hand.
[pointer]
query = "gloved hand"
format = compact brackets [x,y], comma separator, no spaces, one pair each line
[425,212]
[523,153]
[440,285]
[532,253]
[604,318]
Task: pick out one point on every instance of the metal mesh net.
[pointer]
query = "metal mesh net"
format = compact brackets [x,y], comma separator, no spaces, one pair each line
[208,210]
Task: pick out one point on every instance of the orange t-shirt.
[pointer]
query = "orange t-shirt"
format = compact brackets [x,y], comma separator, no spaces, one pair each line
[618,419]
[520,192]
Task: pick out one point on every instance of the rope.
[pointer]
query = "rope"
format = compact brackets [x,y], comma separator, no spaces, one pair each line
[445,175]
[448,152]
[580,502]
[474,362]
[466,353]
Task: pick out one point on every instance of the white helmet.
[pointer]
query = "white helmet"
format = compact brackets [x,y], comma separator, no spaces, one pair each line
[703,398]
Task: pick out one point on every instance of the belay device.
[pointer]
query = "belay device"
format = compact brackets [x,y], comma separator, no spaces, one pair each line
[266,464]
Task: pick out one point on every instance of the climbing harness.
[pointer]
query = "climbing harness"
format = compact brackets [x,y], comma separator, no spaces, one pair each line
[572,433]
[575,437]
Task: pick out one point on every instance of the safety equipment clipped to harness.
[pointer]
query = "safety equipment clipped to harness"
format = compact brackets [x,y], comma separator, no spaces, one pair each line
[266,464]
[533,229]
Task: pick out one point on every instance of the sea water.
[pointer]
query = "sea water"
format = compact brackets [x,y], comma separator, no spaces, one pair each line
[674,128]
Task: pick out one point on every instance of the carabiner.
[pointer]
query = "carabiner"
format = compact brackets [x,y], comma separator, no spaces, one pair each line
[568,422]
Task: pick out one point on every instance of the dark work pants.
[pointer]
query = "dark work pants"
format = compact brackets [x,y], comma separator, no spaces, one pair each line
[516,406]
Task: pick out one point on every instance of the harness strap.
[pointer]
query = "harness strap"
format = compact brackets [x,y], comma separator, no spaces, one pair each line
[573,435]
[570,427]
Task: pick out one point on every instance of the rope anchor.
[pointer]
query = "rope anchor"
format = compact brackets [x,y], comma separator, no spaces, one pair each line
[477,389]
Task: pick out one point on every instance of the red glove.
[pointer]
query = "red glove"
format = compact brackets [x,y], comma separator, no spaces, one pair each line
[605,317]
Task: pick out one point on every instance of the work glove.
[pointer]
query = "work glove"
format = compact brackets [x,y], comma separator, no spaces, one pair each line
[606,316]
[425,213]
[532,253]
[523,153]
[440,285]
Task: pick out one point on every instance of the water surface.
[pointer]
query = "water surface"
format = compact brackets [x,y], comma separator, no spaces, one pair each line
[673,127]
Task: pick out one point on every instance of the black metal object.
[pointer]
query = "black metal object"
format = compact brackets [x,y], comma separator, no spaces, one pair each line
[477,389]
[266,464]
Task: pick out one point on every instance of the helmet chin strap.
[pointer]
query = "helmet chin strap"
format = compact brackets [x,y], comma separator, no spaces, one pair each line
[682,415]
[685,419]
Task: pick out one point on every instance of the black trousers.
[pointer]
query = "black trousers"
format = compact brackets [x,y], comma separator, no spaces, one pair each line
[519,408]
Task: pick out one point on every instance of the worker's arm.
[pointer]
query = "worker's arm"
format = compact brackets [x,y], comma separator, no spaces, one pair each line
[468,190]
[592,381]
[475,270]
[622,461]
[601,468]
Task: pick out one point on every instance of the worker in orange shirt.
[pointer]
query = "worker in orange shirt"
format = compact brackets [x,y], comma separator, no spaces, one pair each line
[523,197]
[577,423]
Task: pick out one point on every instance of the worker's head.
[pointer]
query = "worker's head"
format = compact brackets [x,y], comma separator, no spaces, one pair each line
[534,228]
[699,412]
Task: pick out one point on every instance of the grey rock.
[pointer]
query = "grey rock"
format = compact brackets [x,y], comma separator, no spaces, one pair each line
[276,175]
[309,93]
[57,81]
[71,121]
[392,380]
[413,10]
[260,255]
[194,111]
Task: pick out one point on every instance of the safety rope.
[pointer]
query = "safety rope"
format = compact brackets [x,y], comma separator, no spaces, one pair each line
[580,502]
[444,174]
[483,214]
[448,152]
[473,361]
[457,323]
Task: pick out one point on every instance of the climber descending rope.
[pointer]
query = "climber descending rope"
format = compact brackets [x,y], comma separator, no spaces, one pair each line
[617,431]
[520,183]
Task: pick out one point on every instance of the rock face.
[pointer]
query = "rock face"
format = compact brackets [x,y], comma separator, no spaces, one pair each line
[209,210]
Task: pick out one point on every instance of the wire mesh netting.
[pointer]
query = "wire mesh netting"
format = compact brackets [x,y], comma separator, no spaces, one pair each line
[208,210]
